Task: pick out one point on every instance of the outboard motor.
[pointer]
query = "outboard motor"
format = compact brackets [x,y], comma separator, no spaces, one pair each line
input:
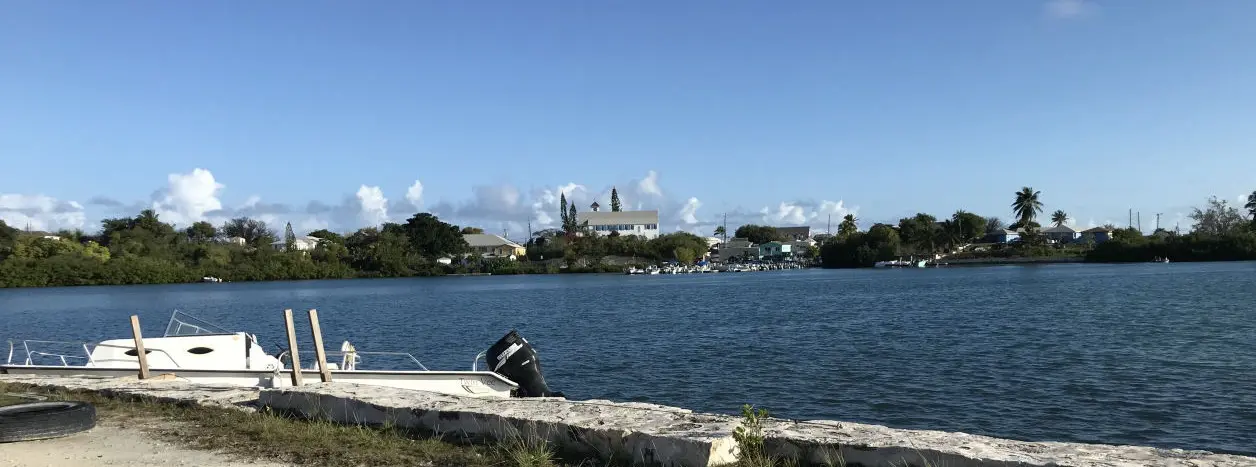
[513,357]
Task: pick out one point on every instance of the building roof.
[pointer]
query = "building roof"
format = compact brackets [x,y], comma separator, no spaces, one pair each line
[621,217]
[1059,229]
[801,231]
[1098,229]
[488,240]
[303,238]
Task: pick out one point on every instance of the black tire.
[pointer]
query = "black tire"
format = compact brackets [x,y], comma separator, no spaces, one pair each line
[43,420]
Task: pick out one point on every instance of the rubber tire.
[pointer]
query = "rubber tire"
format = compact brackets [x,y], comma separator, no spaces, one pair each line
[43,420]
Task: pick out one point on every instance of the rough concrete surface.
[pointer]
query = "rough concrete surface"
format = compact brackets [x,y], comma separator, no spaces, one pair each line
[157,388]
[660,435]
[646,433]
[111,444]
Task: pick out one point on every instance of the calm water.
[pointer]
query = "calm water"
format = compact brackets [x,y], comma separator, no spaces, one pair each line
[1141,354]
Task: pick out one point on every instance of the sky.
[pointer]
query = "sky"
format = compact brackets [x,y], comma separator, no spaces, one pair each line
[346,114]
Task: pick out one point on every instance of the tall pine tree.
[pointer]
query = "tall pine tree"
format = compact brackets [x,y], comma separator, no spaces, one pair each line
[289,237]
[571,217]
[562,210]
[615,207]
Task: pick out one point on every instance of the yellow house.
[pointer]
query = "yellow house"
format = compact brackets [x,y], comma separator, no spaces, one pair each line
[489,245]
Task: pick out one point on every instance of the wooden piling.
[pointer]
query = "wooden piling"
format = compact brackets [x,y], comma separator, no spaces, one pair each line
[292,347]
[323,371]
[139,346]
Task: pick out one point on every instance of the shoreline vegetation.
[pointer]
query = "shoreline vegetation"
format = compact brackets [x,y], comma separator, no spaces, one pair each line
[145,250]
[1221,233]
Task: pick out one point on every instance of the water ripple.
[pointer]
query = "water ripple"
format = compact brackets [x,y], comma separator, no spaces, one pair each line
[1134,354]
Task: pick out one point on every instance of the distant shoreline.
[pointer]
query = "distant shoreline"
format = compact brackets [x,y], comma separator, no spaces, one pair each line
[1011,261]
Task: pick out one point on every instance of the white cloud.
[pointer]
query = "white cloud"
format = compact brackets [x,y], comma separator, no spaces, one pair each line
[1069,9]
[187,197]
[40,212]
[650,185]
[414,194]
[689,212]
[372,205]
[785,213]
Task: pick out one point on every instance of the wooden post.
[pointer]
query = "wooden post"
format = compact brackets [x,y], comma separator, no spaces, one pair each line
[139,346]
[318,347]
[292,348]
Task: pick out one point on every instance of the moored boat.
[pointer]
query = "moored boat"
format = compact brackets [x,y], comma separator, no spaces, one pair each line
[202,353]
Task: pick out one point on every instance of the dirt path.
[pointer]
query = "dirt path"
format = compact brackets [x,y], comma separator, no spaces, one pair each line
[111,444]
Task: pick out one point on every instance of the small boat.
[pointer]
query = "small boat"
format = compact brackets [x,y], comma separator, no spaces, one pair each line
[202,353]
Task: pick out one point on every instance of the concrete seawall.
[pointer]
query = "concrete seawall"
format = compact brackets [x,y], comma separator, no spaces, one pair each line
[643,434]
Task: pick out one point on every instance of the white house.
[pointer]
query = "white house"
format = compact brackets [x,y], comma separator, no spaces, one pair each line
[643,223]
[490,245]
[304,243]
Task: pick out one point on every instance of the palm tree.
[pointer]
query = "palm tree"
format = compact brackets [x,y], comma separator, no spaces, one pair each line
[1251,205]
[1027,206]
[720,231]
[1059,217]
[848,225]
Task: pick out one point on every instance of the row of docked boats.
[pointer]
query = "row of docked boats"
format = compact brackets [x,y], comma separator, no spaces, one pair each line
[709,268]
[202,353]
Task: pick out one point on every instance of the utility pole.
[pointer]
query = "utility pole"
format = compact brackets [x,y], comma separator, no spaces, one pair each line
[1158,220]
[725,225]
[1140,221]
[1131,221]
[829,228]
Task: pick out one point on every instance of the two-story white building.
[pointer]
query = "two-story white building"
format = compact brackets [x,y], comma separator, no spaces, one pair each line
[305,243]
[643,223]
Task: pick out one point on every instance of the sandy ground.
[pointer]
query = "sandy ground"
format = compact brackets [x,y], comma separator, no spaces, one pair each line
[111,444]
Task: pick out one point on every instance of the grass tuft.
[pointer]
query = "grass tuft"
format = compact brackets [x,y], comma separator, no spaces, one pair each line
[519,452]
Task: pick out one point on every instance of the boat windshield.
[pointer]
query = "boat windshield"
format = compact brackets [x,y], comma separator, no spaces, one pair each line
[183,324]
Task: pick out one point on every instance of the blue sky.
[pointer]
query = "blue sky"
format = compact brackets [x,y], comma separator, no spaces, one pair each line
[326,114]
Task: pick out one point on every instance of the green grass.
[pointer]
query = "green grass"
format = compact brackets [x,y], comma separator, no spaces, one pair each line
[266,436]
[6,399]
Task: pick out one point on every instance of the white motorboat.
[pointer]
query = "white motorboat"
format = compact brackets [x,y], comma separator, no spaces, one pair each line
[202,353]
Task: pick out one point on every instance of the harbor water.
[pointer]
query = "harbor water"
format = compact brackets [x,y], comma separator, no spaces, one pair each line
[1150,354]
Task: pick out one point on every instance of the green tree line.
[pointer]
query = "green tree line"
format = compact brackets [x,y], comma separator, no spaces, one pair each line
[1221,232]
[145,250]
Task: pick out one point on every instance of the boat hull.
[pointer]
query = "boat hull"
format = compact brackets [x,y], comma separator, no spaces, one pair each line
[459,383]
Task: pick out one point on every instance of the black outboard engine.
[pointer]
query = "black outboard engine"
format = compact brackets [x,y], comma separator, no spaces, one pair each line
[513,357]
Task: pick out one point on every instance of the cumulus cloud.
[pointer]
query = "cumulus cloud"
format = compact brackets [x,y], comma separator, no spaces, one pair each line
[804,212]
[414,194]
[373,205]
[187,197]
[785,213]
[689,212]
[1069,9]
[650,185]
[40,212]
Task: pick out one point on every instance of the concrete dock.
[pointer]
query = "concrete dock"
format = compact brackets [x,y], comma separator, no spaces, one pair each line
[639,433]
